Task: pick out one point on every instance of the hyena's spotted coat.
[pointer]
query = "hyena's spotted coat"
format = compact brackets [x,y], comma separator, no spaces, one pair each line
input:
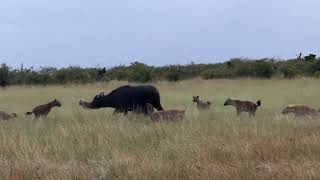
[44,110]
[300,110]
[201,105]
[6,116]
[165,115]
[244,106]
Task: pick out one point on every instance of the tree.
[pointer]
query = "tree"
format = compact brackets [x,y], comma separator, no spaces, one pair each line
[4,75]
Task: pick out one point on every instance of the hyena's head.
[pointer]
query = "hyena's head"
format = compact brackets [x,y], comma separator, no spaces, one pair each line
[196,98]
[57,103]
[14,115]
[228,102]
[287,110]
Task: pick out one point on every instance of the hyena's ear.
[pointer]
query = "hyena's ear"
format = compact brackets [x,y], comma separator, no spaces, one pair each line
[102,94]
[197,96]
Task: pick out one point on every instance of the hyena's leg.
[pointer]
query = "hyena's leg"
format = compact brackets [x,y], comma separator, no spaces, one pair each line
[117,111]
[238,112]
[254,109]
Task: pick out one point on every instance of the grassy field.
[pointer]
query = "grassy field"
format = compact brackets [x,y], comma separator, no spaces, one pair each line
[73,143]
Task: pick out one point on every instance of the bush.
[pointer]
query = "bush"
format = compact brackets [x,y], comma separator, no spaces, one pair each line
[316,74]
[289,72]
[174,73]
[264,69]
[75,75]
[4,75]
[216,73]
[140,72]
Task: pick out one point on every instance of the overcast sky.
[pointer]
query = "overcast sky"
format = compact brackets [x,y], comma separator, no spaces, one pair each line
[157,32]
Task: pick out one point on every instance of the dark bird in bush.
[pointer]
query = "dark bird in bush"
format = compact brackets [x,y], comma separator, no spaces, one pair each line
[126,98]
[101,72]
[299,56]
[44,110]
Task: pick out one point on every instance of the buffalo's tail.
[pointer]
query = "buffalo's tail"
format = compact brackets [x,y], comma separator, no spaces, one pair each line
[29,113]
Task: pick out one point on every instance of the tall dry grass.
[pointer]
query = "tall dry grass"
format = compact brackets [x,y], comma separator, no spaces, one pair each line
[73,143]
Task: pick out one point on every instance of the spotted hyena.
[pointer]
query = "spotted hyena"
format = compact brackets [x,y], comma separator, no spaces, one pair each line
[6,116]
[300,110]
[201,105]
[44,110]
[244,106]
[165,115]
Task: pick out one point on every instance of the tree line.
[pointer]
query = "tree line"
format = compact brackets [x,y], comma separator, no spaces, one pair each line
[143,73]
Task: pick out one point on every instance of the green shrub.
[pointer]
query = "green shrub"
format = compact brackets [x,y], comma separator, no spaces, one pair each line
[289,72]
[174,73]
[140,72]
[264,69]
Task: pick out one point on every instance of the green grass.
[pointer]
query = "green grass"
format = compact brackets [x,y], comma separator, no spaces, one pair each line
[74,143]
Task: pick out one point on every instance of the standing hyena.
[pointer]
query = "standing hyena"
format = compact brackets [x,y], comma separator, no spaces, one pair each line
[201,105]
[244,106]
[44,110]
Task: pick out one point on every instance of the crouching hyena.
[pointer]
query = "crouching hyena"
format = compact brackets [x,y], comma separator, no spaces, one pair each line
[201,105]
[165,115]
[244,106]
[300,110]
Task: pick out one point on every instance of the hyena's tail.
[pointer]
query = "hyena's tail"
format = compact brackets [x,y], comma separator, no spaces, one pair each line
[259,102]
[29,113]
[208,102]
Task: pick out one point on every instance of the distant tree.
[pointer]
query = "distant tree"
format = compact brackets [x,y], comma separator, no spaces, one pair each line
[140,72]
[289,71]
[174,73]
[4,75]
[264,68]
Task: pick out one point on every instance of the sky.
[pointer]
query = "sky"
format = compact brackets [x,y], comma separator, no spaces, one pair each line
[105,33]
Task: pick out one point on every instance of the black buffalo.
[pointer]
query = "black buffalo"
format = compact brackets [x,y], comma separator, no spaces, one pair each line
[127,98]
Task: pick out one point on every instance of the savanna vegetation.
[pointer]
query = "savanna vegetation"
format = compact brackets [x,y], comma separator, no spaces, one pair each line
[139,72]
[74,143]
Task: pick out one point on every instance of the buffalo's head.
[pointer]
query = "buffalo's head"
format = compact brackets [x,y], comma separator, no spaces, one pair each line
[96,103]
